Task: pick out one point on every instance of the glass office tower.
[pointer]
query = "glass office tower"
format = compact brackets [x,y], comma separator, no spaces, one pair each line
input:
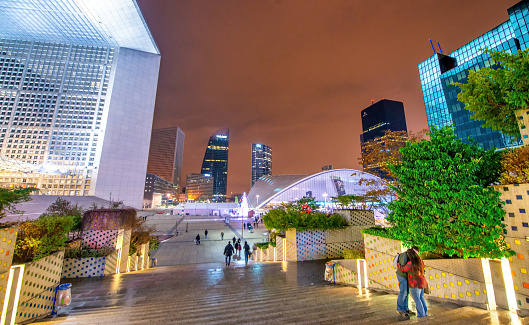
[215,163]
[78,82]
[166,154]
[261,161]
[440,70]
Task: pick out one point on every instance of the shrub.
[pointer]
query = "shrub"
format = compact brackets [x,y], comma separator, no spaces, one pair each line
[263,245]
[154,243]
[84,253]
[41,237]
[283,219]
[352,254]
[515,164]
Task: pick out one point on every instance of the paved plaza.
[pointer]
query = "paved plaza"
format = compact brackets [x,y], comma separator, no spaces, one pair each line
[191,285]
[181,249]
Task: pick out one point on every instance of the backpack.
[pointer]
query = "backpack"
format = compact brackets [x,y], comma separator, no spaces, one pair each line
[396,260]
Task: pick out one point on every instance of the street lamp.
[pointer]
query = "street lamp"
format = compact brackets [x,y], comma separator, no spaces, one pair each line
[257,196]
[325,198]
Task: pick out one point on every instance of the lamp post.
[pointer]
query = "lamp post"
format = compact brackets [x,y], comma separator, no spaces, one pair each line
[325,198]
[257,196]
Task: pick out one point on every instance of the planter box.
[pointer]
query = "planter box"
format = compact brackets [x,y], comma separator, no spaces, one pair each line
[8,237]
[319,244]
[83,267]
[516,198]
[461,280]
[356,217]
[39,280]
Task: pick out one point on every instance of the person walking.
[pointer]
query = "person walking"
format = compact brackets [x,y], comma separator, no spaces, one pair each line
[197,238]
[239,246]
[206,234]
[228,251]
[222,235]
[234,240]
[246,252]
[416,280]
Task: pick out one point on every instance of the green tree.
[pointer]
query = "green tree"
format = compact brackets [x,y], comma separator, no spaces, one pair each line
[347,200]
[494,94]
[9,198]
[445,204]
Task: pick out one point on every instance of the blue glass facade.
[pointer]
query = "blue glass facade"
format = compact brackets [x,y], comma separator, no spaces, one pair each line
[261,161]
[215,163]
[439,71]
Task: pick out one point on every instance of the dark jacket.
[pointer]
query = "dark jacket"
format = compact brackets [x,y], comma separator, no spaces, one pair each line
[246,248]
[228,250]
[403,260]
[197,237]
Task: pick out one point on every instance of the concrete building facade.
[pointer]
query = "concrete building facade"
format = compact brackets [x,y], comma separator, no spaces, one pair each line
[77,91]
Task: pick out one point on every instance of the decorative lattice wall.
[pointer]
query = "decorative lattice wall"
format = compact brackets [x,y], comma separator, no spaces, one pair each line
[456,279]
[7,246]
[358,217]
[95,239]
[516,198]
[111,262]
[83,267]
[38,287]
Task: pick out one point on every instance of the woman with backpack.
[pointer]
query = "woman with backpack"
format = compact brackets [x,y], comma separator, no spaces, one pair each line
[416,281]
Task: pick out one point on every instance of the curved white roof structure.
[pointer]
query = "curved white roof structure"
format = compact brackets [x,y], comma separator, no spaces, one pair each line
[277,189]
[116,23]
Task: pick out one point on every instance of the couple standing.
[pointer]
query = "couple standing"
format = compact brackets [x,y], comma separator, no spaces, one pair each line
[410,273]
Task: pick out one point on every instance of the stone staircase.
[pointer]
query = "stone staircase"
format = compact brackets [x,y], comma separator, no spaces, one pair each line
[261,293]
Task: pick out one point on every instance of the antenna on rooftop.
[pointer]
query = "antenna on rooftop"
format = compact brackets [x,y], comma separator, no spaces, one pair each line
[439,46]
[433,48]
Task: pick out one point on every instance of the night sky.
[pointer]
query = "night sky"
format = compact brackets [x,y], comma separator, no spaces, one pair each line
[295,74]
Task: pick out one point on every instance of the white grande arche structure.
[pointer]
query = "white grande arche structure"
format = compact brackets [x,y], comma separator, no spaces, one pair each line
[273,190]
[78,83]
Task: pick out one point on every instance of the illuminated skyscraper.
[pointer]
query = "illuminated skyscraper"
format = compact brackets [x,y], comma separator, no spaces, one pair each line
[166,154]
[78,82]
[215,163]
[261,161]
[438,72]
[382,116]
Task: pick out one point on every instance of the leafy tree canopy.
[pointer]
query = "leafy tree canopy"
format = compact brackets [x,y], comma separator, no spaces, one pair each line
[9,198]
[445,204]
[494,94]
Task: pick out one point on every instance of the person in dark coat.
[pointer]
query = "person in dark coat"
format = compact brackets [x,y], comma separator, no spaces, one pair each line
[197,238]
[206,234]
[246,252]
[228,252]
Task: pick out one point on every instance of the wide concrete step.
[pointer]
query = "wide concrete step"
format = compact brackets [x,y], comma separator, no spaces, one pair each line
[261,294]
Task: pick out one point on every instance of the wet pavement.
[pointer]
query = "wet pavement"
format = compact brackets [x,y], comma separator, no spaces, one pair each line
[181,249]
[260,293]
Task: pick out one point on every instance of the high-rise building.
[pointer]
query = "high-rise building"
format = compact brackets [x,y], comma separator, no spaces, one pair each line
[215,163]
[438,72]
[199,187]
[326,167]
[382,116]
[261,161]
[158,191]
[166,154]
[78,83]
